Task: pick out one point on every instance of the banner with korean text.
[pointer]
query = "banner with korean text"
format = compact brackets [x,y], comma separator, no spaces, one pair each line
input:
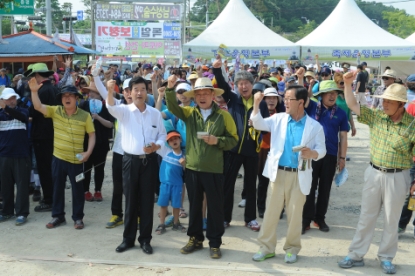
[351,53]
[145,48]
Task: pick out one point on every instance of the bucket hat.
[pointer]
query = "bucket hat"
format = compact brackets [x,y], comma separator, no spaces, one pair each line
[271,92]
[394,92]
[389,73]
[327,86]
[37,68]
[67,89]
[203,83]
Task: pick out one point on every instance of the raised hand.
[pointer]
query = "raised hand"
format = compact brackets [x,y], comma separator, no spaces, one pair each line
[34,86]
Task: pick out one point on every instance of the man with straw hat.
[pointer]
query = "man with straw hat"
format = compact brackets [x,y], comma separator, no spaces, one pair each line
[386,180]
[210,131]
[42,132]
[388,78]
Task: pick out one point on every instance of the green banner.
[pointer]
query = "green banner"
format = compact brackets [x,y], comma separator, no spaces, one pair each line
[19,7]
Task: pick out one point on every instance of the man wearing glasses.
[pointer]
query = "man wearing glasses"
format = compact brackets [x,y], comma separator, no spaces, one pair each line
[388,78]
[295,140]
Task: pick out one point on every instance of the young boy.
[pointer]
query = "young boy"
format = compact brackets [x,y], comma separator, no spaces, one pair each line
[171,178]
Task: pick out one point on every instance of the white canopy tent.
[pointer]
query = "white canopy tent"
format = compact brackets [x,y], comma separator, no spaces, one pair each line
[411,38]
[348,32]
[242,34]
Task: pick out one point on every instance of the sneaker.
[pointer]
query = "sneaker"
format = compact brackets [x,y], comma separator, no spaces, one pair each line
[290,258]
[215,253]
[387,267]
[253,225]
[79,224]
[259,256]
[242,203]
[97,196]
[349,263]
[226,224]
[169,221]
[55,222]
[88,196]
[114,222]
[204,224]
[401,230]
[21,220]
[43,207]
[191,246]
[36,195]
[4,218]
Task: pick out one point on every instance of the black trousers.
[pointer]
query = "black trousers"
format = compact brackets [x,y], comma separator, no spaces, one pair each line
[406,214]
[44,153]
[262,180]
[96,160]
[323,173]
[139,195]
[198,183]
[14,170]
[117,192]
[233,163]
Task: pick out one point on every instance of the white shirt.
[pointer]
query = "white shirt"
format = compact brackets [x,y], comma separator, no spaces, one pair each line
[205,113]
[138,128]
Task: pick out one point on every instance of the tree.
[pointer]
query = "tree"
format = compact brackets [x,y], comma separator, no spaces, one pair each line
[57,12]
[400,23]
[5,26]
[4,2]
[87,4]
[302,31]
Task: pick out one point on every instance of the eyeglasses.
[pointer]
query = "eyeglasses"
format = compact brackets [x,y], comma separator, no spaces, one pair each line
[286,100]
[385,78]
[324,75]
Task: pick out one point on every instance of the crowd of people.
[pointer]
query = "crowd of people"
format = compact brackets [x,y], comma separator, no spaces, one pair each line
[177,129]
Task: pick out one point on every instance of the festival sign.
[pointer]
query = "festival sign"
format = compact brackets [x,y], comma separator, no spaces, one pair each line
[191,53]
[106,11]
[351,53]
[130,47]
[145,30]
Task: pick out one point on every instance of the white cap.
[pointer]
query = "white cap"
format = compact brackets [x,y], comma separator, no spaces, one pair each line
[184,86]
[271,91]
[148,76]
[126,83]
[8,93]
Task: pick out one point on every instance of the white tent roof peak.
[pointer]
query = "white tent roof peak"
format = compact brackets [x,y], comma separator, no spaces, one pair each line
[411,38]
[236,26]
[348,26]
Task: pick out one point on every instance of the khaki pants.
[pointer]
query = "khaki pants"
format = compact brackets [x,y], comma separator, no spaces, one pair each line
[361,98]
[285,189]
[389,190]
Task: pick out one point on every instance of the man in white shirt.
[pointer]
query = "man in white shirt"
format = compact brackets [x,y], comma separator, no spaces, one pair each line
[142,134]
[288,169]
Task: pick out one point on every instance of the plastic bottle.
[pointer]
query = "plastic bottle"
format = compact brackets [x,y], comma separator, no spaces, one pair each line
[97,67]
[411,203]
[79,156]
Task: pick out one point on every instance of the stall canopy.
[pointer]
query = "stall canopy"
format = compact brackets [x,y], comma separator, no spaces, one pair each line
[239,34]
[348,32]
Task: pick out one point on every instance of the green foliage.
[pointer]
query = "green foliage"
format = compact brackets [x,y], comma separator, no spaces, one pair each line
[82,27]
[5,26]
[57,13]
[3,3]
[302,31]
[400,23]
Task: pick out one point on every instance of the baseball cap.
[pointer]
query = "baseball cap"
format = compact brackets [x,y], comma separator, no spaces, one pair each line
[326,70]
[183,86]
[172,134]
[147,66]
[8,93]
[363,63]
[271,91]
[289,79]
[411,78]
[273,70]
[126,84]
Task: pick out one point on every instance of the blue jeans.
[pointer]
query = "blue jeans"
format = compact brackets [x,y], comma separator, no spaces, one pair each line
[60,170]
[406,213]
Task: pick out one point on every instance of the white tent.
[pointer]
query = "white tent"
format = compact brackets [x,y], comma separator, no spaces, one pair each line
[411,38]
[348,32]
[242,33]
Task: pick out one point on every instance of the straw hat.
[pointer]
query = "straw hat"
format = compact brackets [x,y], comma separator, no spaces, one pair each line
[203,83]
[394,92]
[193,76]
[389,73]
[310,73]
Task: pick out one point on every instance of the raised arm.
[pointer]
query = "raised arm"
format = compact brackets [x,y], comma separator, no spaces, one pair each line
[161,93]
[34,88]
[171,100]
[348,93]
[258,121]
[67,73]
[318,64]
[217,71]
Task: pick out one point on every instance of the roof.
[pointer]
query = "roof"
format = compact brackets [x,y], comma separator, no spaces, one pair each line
[411,38]
[232,26]
[342,29]
[79,50]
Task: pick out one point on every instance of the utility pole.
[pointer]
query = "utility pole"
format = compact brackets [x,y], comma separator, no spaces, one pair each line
[93,28]
[48,17]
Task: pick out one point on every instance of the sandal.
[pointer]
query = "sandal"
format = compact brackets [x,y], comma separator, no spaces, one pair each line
[179,227]
[182,213]
[161,229]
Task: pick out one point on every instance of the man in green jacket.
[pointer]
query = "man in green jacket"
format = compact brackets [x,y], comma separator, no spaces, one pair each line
[209,131]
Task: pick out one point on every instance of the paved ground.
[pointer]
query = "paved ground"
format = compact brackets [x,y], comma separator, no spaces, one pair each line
[34,250]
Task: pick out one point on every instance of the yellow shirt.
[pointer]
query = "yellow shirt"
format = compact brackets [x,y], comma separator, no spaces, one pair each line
[69,132]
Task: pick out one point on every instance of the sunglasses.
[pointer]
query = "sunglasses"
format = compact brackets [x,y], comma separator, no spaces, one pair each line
[385,78]
[325,75]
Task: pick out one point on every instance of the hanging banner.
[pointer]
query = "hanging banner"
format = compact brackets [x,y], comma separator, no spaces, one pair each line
[191,53]
[130,47]
[142,12]
[351,54]
[146,30]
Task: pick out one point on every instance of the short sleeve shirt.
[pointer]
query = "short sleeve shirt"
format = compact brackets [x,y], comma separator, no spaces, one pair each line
[362,77]
[391,144]
[69,132]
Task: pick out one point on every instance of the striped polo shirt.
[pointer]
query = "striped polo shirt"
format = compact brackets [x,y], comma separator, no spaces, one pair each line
[69,132]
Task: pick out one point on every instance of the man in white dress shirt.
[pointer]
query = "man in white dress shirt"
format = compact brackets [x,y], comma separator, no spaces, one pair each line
[142,134]
[288,169]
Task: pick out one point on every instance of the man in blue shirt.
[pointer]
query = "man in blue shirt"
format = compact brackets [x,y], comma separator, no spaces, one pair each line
[4,79]
[334,122]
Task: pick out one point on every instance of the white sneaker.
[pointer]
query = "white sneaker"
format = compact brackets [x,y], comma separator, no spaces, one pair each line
[242,203]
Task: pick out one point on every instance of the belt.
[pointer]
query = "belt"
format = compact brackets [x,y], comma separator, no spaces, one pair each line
[140,156]
[288,169]
[385,170]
